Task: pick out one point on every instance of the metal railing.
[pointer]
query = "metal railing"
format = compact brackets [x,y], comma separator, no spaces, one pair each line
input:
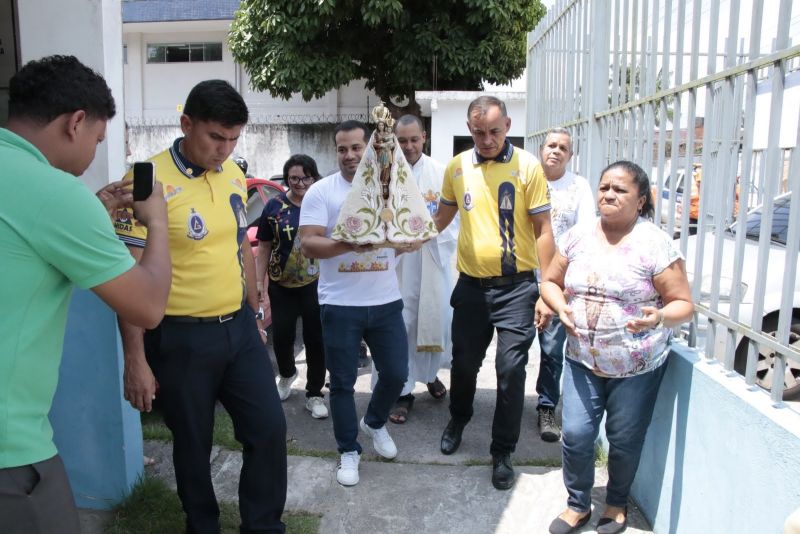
[708,90]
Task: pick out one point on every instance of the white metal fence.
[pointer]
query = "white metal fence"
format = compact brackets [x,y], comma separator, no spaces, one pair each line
[705,96]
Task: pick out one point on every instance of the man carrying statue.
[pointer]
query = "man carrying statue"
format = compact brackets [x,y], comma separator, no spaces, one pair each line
[356,232]
[425,279]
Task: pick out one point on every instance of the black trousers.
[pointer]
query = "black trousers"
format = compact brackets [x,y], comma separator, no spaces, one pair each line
[477,312]
[195,364]
[287,304]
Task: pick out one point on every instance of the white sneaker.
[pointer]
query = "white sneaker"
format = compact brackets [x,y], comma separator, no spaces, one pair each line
[285,386]
[316,405]
[381,440]
[347,474]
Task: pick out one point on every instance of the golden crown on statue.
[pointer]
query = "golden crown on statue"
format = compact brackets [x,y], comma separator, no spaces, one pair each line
[381,113]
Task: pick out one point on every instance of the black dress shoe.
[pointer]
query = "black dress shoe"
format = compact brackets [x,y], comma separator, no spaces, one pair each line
[502,471]
[559,526]
[451,437]
[606,525]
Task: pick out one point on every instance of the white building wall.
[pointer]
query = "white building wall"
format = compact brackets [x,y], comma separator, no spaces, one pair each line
[154,91]
[90,30]
[448,112]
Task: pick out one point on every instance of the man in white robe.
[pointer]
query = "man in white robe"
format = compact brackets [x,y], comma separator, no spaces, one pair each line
[425,279]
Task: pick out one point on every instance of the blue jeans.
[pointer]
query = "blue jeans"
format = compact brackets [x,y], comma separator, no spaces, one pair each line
[551,363]
[628,404]
[343,328]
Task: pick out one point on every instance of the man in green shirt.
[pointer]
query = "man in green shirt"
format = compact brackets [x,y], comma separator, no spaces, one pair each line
[55,234]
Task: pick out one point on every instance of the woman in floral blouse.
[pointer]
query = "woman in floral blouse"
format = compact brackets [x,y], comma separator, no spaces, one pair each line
[619,286]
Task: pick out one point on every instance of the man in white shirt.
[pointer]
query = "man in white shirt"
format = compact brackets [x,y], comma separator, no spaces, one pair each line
[425,279]
[572,202]
[359,299]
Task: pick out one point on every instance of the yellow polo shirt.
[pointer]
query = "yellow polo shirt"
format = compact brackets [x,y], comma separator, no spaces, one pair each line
[207,224]
[495,199]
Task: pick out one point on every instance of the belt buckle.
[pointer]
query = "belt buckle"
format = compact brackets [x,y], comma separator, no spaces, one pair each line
[225,318]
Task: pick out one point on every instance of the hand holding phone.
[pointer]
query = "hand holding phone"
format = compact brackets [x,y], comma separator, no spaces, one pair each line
[144,176]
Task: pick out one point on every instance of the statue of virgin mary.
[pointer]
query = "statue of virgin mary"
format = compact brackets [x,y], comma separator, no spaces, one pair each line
[385,207]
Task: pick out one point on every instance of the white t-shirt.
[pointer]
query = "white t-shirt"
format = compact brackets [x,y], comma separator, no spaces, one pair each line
[571,203]
[367,279]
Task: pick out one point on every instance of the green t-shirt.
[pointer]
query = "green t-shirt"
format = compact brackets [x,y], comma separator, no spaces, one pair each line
[53,233]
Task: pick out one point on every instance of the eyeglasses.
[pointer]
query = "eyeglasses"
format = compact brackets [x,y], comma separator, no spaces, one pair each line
[297,179]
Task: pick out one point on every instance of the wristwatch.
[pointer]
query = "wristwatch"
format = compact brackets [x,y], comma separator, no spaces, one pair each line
[260,314]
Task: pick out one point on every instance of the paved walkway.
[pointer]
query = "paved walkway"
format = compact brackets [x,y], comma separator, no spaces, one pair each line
[421,490]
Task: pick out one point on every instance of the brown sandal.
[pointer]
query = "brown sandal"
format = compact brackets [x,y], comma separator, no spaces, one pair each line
[437,389]
[399,414]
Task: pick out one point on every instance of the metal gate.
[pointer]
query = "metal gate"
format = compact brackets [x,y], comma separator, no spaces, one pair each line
[705,96]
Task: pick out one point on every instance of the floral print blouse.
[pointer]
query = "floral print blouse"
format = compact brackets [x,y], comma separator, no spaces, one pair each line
[606,286]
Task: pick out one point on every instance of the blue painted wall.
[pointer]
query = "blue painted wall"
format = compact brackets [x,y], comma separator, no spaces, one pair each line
[718,457]
[97,433]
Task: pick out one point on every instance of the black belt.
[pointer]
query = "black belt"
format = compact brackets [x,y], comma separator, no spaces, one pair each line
[499,281]
[190,319]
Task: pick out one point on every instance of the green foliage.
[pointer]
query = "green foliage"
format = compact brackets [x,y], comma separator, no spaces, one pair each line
[313,46]
[154,508]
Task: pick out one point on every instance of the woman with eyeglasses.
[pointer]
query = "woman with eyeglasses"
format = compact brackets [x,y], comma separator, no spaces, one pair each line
[291,282]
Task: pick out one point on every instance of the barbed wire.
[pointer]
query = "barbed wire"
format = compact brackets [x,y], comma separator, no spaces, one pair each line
[256,119]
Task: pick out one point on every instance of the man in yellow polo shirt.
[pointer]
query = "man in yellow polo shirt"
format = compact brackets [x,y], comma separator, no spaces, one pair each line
[501,196]
[208,345]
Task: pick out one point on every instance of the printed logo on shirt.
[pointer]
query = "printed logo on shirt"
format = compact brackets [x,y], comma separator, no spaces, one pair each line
[505,210]
[197,226]
[468,205]
[367,262]
[239,185]
[171,192]
[432,201]
[240,212]
[123,220]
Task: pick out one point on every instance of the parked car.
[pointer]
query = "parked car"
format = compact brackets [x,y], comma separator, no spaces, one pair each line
[677,205]
[259,191]
[772,294]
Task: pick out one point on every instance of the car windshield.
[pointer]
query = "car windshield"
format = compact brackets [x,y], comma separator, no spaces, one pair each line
[668,180]
[780,221]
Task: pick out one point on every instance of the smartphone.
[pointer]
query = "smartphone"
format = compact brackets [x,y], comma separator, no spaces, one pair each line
[144,175]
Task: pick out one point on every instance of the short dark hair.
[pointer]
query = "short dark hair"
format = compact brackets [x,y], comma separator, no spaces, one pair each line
[350,125]
[306,162]
[642,182]
[408,119]
[49,87]
[216,101]
[482,104]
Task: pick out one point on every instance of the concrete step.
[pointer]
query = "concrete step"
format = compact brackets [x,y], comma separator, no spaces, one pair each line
[397,497]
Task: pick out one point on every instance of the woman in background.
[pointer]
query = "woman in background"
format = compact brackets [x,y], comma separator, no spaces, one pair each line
[292,284]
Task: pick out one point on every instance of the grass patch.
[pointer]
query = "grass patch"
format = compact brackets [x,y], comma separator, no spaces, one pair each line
[154,508]
[153,428]
[292,449]
[535,462]
[600,456]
